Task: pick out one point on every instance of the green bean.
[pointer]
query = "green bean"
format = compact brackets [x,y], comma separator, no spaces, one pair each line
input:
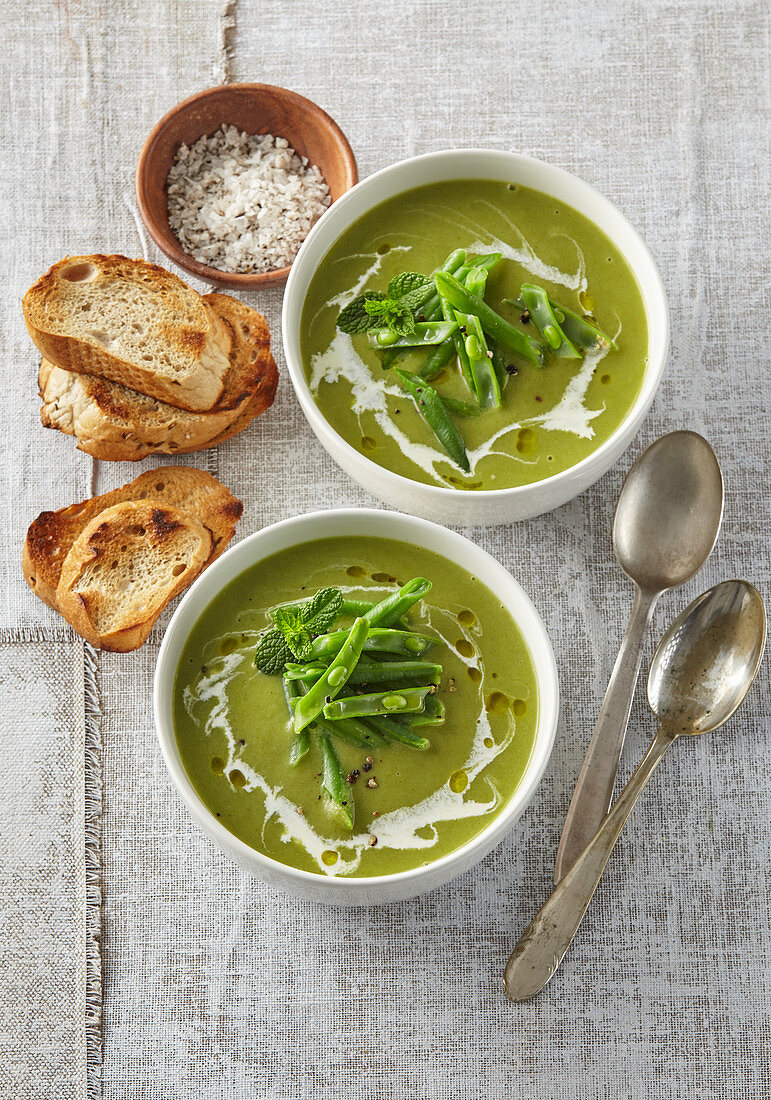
[355,607]
[476,280]
[404,701]
[358,608]
[431,408]
[431,715]
[461,408]
[458,343]
[493,324]
[372,672]
[333,781]
[297,673]
[485,379]
[437,360]
[353,731]
[330,683]
[424,334]
[302,741]
[580,330]
[499,364]
[431,310]
[395,731]
[379,640]
[543,317]
[375,672]
[394,606]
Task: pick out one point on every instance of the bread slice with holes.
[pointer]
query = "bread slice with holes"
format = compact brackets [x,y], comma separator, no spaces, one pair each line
[114,423]
[124,568]
[199,495]
[132,322]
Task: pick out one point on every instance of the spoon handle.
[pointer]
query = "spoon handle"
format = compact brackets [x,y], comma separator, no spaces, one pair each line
[544,942]
[594,787]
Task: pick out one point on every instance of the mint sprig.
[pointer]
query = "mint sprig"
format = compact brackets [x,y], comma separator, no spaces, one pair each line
[296,625]
[396,310]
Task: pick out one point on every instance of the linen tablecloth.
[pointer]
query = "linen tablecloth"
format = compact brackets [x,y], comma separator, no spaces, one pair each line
[190,979]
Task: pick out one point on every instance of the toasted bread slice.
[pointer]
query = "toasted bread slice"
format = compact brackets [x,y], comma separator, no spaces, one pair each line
[125,566]
[196,493]
[132,322]
[117,424]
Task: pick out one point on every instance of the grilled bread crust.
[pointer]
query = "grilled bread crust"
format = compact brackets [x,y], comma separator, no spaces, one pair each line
[194,492]
[124,568]
[132,322]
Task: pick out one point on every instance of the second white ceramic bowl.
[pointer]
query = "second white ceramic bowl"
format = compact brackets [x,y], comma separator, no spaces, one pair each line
[372,524]
[459,506]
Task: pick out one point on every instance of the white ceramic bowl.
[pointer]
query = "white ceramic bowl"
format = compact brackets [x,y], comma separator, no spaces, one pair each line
[371,523]
[463,506]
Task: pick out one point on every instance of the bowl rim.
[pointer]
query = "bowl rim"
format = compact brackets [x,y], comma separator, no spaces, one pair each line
[205,588]
[658,343]
[236,280]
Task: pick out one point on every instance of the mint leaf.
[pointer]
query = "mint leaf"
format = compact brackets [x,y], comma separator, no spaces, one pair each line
[403,323]
[379,307]
[410,285]
[392,314]
[299,624]
[272,653]
[355,318]
[323,609]
[290,621]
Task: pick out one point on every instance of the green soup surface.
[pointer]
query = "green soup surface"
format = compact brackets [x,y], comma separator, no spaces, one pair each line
[234,733]
[551,417]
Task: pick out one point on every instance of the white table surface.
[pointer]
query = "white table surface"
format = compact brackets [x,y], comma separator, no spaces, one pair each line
[213,985]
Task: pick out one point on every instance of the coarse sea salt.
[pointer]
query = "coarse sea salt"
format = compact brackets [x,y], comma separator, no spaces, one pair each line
[242,202]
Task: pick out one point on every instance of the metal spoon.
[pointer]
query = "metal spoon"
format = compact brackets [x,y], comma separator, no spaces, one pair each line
[701,672]
[667,520]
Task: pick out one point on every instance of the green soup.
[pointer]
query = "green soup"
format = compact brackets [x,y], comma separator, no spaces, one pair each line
[234,734]
[552,416]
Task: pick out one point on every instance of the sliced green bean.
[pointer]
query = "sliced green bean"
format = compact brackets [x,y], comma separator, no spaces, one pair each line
[389,610]
[526,347]
[372,672]
[476,280]
[302,740]
[305,674]
[376,672]
[458,343]
[437,360]
[581,330]
[461,408]
[395,731]
[431,715]
[485,379]
[379,640]
[424,334]
[358,608]
[331,682]
[499,364]
[404,701]
[353,731]
[333,780]
[543,317]
[433,411]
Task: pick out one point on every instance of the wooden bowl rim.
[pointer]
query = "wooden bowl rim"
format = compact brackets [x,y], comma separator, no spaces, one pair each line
[232,280]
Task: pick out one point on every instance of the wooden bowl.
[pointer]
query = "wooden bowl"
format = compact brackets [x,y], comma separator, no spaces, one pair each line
[254,109]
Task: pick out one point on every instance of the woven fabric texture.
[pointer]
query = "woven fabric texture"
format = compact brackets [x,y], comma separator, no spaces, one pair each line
[214,987]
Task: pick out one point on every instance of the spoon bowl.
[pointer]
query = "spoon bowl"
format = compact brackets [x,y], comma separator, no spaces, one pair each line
[708,658]
[669,512]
